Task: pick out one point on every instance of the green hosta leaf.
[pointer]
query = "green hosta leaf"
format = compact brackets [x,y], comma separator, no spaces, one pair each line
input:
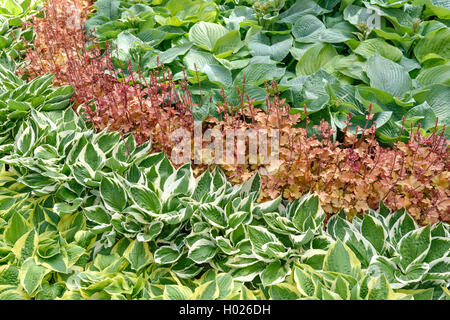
[434,45]
[97,214]
[370,47]
[151,233]
[146,199]
[304,282]
[202,251]
[340,258]
[439,248]
[274,273]
[227,44]
[113,194]
[214,215]
[25,141]
[414,246]
[307,213]
[373,230]
[138,254]
[315,58]
[31,275]
[206,34]
[167,255]
[387,75]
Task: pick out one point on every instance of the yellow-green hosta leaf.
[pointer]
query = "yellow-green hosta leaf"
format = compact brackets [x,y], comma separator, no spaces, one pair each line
[340,258]
[379,289]
[26,245]
[17,227]
[284,291]
[435,44]
[176,292]
[138,254]
[9,276]
[304,283]
[31,275]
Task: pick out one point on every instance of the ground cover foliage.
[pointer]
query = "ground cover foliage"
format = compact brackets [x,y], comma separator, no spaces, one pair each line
[92,213]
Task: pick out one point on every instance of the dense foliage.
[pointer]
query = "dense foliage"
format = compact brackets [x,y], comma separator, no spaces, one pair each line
[90,210]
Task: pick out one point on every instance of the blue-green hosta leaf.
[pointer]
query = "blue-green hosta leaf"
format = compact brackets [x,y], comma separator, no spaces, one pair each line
[435,75]
[307,28]
[206,34]
[299,9]
[113,194]
[340,258]
[437,97]
[197,59]
[202,251]
[275,273]
[138,254]
[258,73]
[277,47]
[388,76]
[168,56]
[125,42]
[414,246]
[31,275]
[218,74]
